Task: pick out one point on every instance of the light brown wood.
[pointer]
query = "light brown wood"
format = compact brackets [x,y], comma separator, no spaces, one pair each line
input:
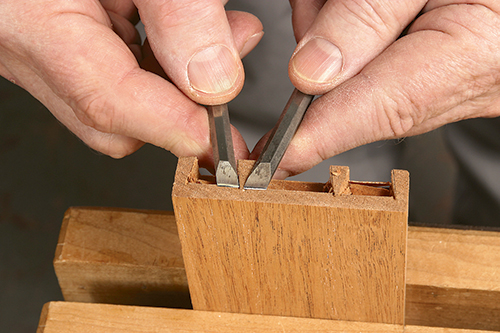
[468,258]
[67,317]
[121,256]
[432,299]
[453,278]
[297,253]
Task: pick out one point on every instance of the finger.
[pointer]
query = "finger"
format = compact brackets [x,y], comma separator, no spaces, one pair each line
[403,93]
[149,61]
[193,42]
[114,145]
[127,32]
[94,72]
[246,37]
[434,4]
[124,16]
[124,8]
[344,37]
[247,31]
[303,15]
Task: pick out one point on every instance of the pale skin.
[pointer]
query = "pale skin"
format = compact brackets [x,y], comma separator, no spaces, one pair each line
[374,84]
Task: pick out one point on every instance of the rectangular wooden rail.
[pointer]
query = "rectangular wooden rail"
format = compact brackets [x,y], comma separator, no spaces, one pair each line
[67,317]
[134,257]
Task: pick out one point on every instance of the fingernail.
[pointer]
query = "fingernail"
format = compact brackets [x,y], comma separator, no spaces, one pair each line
[318,61]
[251,42]
[213,70]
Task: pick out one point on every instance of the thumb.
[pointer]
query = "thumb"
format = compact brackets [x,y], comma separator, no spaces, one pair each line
[449,75]
[343,37]
[194,44]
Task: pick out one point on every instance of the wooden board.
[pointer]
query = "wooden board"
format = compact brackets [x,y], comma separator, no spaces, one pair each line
[437,295]
[290,252]
[66,317]
[453,278]
[121,256]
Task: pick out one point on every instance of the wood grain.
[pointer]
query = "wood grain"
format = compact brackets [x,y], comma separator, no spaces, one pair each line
[121,256]
[68,317]
[453,278]
[432,299]
[293,253]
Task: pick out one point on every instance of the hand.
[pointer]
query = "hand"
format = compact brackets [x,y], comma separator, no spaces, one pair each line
[81,60]
[378,86]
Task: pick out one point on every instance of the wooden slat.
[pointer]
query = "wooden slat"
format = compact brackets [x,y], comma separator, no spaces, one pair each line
[68,317]
[453,278]
[443,299]
[293,253]
[467,258]
[121,256]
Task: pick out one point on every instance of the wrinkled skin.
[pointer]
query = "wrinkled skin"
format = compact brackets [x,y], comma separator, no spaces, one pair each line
[446,68]
[84,61]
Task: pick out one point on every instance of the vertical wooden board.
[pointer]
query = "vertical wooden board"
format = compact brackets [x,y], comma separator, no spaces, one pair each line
[293,253]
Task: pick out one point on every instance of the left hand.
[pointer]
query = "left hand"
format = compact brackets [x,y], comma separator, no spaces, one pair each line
[378,86]
[83,60]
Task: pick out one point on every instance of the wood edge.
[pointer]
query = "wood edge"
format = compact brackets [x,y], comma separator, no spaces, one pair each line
[187,167]
[454,231]
[43,317]
[187,186]
[67,262]
[77,209]
[200,318]
[400,180]
[429,329]
[62,234]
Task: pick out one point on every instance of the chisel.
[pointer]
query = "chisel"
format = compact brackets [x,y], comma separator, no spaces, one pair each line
[222,146]
[278,142]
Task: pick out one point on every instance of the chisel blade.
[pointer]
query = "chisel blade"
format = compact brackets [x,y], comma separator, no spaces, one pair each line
[278,142]
[222,146]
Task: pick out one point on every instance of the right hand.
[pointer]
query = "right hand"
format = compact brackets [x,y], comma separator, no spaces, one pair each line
[81,60]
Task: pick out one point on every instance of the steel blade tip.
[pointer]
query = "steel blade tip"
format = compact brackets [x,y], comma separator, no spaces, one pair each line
[259,178]
[226,176]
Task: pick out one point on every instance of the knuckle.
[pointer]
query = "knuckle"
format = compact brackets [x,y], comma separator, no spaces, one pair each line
[397,114]
[112,145]
[96,111]
[372,14]
[178,13]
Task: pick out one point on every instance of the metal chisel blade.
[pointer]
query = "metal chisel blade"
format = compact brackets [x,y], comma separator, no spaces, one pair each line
[222,146]
[278,142]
